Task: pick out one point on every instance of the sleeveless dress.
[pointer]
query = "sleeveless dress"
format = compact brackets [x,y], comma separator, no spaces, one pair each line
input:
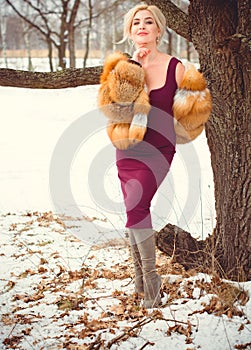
[142,168]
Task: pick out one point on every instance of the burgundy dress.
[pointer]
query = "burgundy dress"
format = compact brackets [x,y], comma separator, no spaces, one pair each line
[142,168]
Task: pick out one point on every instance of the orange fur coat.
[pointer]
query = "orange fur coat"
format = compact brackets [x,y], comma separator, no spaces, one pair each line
[125,103]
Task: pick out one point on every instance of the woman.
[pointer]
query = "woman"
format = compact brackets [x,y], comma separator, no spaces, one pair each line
[142,168]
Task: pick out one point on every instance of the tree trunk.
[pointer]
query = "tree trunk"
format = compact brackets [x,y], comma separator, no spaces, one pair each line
[72,47]
[50,53]
[26,33]
[63,36]
[61,54]
[71,34]
[226,55]
[3,36]
[57,80]
[219,31]
[103,37]
[87,38]
[114,28]
[27,46]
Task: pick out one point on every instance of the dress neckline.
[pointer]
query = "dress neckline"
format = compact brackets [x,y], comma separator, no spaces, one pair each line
[163,86]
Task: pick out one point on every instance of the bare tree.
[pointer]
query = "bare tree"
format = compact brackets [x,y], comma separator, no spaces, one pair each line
[114,28]
[26,30]
[71,26]
[103,37]
[55,21]
[88,31]
[3,16]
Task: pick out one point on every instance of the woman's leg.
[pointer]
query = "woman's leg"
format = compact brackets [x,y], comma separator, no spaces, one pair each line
[139,187]
[139,184]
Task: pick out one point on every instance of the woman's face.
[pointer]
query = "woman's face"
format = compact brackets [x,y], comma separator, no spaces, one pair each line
[144,29]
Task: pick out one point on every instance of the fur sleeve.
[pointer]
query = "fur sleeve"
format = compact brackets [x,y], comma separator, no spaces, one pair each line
[192,105]
[123,100]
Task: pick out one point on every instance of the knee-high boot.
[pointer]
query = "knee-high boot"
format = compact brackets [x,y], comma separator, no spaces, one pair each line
[138,279]
[145,241]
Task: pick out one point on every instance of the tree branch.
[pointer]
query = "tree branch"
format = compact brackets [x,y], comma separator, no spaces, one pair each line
[74,11]
[66,78]
[176,19]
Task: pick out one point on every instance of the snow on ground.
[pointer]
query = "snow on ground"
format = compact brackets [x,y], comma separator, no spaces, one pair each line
[59,293]
[62,285]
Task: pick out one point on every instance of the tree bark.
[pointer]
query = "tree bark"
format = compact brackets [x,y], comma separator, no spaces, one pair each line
[63,36]
[3,36]
[224,58]
[50,52]
[70,77]
[103,38]
[72,55]
[222,39]
[88,31]
[71,36]
[26,33]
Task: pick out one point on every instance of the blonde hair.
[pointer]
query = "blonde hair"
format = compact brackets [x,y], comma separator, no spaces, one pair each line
[157,15]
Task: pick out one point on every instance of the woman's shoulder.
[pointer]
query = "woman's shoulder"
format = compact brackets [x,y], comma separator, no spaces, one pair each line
[179,73]
[180,68]
[168,58]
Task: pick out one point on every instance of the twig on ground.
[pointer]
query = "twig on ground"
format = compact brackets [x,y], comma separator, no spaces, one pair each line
[127,332]
[147,343]
[96,344]
[173,320]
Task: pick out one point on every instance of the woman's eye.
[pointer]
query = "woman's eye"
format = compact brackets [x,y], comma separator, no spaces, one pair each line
[136,23]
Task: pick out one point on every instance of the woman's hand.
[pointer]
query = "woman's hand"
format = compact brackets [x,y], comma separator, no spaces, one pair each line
[140,54]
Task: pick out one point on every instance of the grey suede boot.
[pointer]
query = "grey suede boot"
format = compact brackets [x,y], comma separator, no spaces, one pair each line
[138,279]
[145,241]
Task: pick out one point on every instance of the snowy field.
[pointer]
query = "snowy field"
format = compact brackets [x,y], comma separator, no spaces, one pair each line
[62,286]
[41,64]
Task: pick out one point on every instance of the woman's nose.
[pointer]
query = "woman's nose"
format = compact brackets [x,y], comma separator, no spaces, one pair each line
[142,25]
